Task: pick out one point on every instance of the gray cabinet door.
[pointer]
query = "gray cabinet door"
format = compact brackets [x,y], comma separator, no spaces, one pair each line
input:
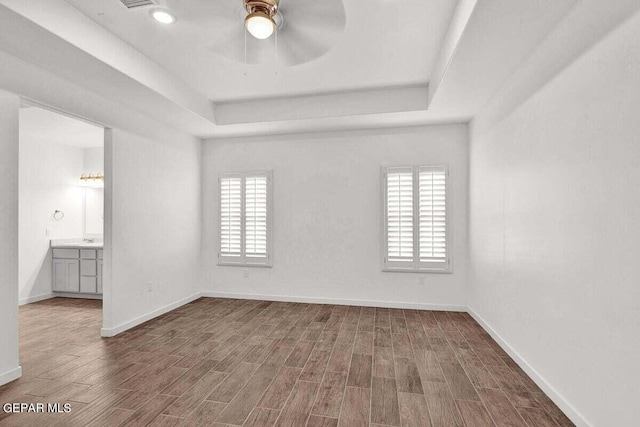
[99,274]
[66,275]
[88,285]
[59,275]
[73,275]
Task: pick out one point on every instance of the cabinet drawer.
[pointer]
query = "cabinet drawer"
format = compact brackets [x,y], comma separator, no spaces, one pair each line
[88,285]
[88,253]
[66,253]
[88,267]
[99,253]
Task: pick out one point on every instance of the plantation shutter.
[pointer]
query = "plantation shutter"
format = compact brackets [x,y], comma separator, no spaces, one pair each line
[432,222]
[256,216]
[245,218]
[231,216]
[399,216]
[415,219]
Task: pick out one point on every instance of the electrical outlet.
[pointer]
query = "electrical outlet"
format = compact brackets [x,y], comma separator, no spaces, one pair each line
[245,272]
[422,280]
[47,231]
[150,287]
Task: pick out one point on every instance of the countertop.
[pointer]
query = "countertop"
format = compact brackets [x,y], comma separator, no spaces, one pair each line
[76,244]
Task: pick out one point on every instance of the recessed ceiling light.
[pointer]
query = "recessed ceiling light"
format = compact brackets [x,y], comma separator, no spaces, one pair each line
[163,16]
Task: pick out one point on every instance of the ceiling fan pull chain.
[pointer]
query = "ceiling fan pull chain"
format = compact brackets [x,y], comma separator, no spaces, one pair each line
[276,49]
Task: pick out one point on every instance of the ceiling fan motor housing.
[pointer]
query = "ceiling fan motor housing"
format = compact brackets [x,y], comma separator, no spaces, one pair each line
[267,7]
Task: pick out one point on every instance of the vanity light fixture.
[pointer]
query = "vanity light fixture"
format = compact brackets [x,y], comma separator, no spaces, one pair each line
[93,180]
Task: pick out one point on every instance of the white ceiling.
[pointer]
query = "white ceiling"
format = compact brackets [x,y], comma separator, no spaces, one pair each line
[395,63]
[46,125]
[386,43]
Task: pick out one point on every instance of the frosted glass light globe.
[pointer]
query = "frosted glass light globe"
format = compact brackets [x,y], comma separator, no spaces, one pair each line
[259,25]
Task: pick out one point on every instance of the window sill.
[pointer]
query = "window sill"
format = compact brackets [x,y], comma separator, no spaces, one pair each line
[411,270]
[236,264]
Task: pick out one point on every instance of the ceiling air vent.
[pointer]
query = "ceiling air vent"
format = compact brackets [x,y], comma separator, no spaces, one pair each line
[131,4]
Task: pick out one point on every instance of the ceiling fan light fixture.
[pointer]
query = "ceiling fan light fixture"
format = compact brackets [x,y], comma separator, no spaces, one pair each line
[259,21]
[260,25]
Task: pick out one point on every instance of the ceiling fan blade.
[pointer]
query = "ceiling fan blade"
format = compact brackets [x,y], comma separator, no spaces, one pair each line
[323,13]
[232,46]
[297,52]
[298,44]
[310,29]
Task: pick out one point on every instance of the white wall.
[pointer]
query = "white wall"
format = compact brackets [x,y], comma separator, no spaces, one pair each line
[94,160]
[152,210]
[327,214]
[9,365]
[49,178]
[554,231]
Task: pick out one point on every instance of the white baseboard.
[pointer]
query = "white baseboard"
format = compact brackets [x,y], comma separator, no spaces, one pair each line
[35,298]
[551,392]
[111,332]
[11,375]
[77,295]
[335,301]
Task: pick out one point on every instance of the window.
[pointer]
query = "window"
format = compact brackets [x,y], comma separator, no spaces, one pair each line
[416,226]
[245,219]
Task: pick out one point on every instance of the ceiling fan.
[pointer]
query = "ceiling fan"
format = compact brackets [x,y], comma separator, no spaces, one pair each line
[303,30]
[260,19]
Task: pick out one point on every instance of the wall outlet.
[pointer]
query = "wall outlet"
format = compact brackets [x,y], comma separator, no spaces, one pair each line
[47,232]
[150,287]
[422,280]
[245,272]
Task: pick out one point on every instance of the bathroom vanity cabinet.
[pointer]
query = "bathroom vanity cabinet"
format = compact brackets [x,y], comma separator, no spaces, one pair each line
[77,270]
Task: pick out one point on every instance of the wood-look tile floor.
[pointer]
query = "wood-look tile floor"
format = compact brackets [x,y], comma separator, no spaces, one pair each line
[217,362]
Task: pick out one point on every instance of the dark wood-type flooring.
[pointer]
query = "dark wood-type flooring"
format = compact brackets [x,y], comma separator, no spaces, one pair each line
[217,362]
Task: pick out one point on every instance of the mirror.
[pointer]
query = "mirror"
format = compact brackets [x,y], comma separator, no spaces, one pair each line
[94,212]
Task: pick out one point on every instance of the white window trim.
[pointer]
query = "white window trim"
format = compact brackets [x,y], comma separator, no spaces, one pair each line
[415,266]
[242,260]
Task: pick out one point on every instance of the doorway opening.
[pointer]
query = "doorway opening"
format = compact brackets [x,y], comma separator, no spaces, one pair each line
[61,221]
